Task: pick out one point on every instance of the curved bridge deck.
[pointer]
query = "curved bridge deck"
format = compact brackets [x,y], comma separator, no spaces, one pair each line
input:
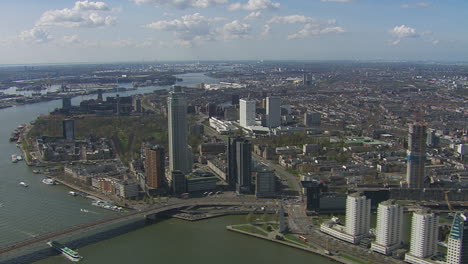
[132,215]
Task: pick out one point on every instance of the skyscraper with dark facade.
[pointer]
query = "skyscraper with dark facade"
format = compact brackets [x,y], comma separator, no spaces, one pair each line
[415,170]
[239,156]
[312,191]
[69,129]
[179,156]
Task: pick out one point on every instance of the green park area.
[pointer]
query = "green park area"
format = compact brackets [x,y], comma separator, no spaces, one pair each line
[126,132]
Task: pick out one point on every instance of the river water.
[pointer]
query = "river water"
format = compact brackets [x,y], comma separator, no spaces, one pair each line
[40,208]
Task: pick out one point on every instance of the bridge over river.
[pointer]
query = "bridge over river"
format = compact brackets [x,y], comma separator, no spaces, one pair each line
[19,247]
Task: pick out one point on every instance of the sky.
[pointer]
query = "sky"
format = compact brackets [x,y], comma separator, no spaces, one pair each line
[62,31]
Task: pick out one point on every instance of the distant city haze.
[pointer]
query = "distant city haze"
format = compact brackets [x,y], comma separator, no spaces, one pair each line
[173,30]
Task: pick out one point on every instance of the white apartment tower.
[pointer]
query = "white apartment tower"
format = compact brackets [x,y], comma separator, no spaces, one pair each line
[424,233]
[273,111]
[389,227]
[357,215]
[179,154]
[246,112]
[457,252]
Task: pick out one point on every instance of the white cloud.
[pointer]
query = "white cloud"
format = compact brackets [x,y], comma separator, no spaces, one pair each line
[404,32]
[254,5]
[297,19]
[94,6]
[266,31]
[183,4]
[188,28]
[74,39]
[191,29]
[35,36]
[82,14]
[254,15]
[419,4]
[311,26]
[234,30]
[315,29]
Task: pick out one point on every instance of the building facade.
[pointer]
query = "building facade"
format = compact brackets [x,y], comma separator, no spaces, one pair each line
[69,129]
[312,119]
[389,228]
[265,184]
[247,112]
[273,111]
[179,156]
[457,252]
[357,215]
[154,166]
[415,172]
[244,166]
[424,234]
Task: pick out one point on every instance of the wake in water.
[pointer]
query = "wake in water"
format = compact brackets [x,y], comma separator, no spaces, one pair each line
[87,211]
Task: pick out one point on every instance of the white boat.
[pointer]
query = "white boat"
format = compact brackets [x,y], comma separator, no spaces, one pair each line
[23,184]
[19,158]
[14,158]
[48,181]
[72,193]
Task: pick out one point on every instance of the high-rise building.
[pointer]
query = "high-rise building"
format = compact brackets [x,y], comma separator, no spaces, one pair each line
[457,252]
[312,192]
[231,158]
[178,182]
[179,156]
[244,166]
[312,119]
[389,228]
[357,215]
[239,160]
[265,183]
[247,112]
[154,166]
[235,99]
[66,103]
[273,111]
[69,129]
[99,97]
[432,140]
[424,233]
[415,175]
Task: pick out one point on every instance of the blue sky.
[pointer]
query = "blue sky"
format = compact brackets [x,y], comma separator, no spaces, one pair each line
[56,31]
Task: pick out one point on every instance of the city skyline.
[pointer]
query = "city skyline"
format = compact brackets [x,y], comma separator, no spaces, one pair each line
[149,30]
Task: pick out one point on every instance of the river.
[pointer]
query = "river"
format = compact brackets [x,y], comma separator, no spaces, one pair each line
[40,208]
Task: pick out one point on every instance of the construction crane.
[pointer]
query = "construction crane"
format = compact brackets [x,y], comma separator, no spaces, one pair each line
[450,207]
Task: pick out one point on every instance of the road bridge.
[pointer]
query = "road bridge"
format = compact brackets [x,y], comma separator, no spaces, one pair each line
[18,247]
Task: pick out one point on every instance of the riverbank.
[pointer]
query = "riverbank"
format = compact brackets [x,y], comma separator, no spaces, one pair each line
[272,238]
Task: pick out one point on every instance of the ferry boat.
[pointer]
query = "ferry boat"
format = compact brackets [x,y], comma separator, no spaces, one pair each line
[67,252]
[23,184]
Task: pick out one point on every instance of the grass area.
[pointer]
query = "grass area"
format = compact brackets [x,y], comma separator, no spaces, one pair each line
[354,259]
[250,229]
[296,240]
[126,132]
